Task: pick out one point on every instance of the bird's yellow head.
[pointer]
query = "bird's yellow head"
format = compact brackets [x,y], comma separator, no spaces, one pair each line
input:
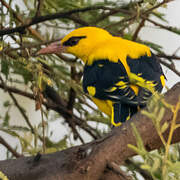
[80,42]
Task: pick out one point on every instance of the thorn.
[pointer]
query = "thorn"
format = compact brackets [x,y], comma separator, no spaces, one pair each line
[37,157]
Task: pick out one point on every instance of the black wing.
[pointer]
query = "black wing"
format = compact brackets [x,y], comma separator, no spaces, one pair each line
[111,82]
[149,68]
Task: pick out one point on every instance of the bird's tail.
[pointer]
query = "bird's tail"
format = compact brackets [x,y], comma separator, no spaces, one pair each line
[121,113]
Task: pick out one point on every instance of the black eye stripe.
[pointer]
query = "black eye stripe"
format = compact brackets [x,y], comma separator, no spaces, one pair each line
[72,41]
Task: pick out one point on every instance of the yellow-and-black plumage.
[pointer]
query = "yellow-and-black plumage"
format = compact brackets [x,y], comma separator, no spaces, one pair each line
[111,63]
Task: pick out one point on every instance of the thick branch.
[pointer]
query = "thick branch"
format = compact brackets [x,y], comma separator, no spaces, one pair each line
[89,161]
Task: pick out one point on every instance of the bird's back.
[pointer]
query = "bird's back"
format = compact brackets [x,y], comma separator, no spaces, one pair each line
[116,48]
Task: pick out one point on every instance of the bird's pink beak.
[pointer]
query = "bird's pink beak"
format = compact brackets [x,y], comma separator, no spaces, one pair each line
[55,47]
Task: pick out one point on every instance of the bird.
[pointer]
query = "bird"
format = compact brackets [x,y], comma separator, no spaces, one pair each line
[120,75]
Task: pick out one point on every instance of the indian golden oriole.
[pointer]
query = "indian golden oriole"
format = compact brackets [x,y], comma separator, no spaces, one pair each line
[111,65]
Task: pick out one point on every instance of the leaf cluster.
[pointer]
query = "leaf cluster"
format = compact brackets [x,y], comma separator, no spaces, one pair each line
[164,163]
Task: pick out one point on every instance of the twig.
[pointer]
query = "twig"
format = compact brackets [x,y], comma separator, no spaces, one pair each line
[18,106]
[169,56]
[135,35]
[176,51]
[39,7]
[70,105]
[112,12]
[22,112]
[157,6]
[137,168]
[5,144]
[43,130]
[47,17]
[168,28]
[57,26]
[120,22]
[17,91]
[18,17]
[171,132]
[170,67]
[116,168]
[78,20]
[144,14]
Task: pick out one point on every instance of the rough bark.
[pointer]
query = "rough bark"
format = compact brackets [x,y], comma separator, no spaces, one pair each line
[90,161]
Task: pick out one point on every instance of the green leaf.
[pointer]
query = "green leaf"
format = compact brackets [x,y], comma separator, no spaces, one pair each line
[1,46]
[160,114]
[164,127]
[146,167]
[175,168]
[148,114]
[137,150]
[10,132]
[6,103]
[6,119]
[160,16]
[156,164]
[154,46]
[139,140]
[19,128]
[61,144]
[128,36]
[5,68]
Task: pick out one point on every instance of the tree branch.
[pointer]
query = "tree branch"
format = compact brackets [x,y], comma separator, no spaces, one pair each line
[9,148]
[67,15]
[157,6]
[140,26]
[168,56]
[21,110]
[146,175]
[56,104]
[168,28]
[170,66]
[40,19]
[19,18]
[39,7]
[89,161]
[113,166]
